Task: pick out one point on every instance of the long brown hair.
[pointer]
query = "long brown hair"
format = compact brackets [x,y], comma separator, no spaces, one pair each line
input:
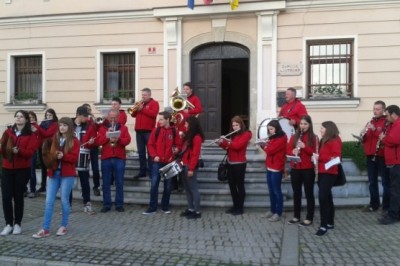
[331,131]
[310,132]
[239,120]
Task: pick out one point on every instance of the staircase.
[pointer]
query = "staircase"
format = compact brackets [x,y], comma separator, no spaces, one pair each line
[216,194]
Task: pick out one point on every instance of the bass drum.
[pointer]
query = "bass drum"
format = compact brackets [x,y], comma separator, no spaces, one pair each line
[262,132]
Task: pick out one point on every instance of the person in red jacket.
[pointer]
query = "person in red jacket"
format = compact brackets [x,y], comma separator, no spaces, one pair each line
[46,130]
[236,148]
[303,144]
[293,109]
[116,105]
[60,160]
[391,140]
[275,149]
[32,181]
[191,149]
[18,144]
[330,148]
[195,101]
[163,146]
[146,115]
[374,153]
[113,157]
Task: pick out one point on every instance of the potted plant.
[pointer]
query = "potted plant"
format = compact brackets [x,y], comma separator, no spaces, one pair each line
[25,98]
[329,91]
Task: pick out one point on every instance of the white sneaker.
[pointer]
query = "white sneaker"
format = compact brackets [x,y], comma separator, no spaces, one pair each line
[7,230]
[274,218]
[61,231]
[267,215]
[17,230]
[88,208]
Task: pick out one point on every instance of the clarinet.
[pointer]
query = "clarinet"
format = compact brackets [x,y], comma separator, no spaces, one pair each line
[379,142]
[297,144]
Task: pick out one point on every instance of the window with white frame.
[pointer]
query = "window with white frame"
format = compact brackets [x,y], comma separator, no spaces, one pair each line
[330,68]
[118,77]
[26,78]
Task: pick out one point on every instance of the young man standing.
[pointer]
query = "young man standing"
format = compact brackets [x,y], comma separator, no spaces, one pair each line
[163,146]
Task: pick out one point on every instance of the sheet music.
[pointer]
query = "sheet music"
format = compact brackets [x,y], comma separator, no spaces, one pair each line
[332,162]
[113,134]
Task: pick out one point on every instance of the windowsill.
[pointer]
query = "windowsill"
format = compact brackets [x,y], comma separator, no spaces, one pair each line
[107,106]
[331,103]
[30,107]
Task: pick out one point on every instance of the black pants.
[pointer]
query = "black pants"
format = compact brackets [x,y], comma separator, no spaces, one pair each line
[13,185]
[394,209]
[298,178]
[326,207]
[44,169]
[236,184]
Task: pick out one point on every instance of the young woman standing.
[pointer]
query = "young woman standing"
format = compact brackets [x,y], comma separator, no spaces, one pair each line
[303,144]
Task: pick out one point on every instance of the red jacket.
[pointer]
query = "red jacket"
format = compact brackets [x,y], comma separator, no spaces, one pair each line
[193,99]
[162,145]
[305,153]
[191,155]
[118,149]
[47,129]
[122,118]
[68,162]
[371,137]
[294,110]
[88,131]
[146,118]
[392,143]
[276,153]
[26,144]
[237,146]
[328,151]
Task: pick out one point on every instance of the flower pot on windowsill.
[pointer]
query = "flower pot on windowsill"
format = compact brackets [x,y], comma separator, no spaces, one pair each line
[27,101]
[328,96]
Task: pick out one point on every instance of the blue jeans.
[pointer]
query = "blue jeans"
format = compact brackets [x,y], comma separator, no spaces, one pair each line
[374,168]
[113,168]
[94,161]
[142,138]
[192,190]
[32,180]
[274,180]
[155,181]
[55,183]
[84,179]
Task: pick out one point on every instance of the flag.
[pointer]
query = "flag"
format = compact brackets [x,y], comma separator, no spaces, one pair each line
[208,2]
[234,4]
[191,4]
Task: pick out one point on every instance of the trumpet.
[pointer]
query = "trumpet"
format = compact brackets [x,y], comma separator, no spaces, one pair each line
[223,137]
[135,107]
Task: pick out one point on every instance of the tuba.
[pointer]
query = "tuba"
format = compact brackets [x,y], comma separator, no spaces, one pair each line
[178,103]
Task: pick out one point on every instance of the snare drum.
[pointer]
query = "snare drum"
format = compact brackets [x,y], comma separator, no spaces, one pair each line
[262,132]
[171,169]
[84,159]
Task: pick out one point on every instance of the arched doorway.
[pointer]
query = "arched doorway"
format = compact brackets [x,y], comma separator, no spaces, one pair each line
[220,77]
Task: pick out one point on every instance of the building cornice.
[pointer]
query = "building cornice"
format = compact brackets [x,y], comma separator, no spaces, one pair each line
[293,5]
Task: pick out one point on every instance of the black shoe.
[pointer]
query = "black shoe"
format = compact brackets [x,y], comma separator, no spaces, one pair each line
[293,221]
[194,215]
[96,191]
[230,210]
[307,222]
[321,231]
[237,212]
[330,226]
[105,209]
[186,213]
[369,209]
[387,219]
[139,176]
[41,189]
[120,209]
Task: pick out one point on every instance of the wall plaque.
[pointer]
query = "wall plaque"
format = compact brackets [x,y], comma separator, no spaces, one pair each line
[290,69]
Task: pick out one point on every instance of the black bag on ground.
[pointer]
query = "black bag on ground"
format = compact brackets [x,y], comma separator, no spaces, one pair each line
[341,178]
[223,170]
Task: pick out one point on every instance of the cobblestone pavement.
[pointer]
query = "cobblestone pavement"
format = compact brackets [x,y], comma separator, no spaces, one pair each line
[131,238]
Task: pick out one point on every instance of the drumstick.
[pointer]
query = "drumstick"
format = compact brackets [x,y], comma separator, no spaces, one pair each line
[83,144]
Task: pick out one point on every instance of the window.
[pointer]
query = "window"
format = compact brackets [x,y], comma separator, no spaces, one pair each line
[119,76]
[28,78]
[330,68]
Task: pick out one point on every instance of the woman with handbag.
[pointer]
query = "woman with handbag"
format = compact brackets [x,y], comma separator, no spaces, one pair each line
[303,144]
[330,148]
[275,149]
[191,153]
[237,161]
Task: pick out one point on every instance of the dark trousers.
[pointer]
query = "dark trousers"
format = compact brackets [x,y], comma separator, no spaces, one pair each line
[299,178]
[84,179]
[94,161]
[236,184]
[326,207]
[394,191]
[374,167]
[142,137]
[44,169]
[13,185]
[32,180]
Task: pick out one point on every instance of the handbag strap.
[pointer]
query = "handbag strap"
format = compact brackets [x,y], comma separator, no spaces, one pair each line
[225,159]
